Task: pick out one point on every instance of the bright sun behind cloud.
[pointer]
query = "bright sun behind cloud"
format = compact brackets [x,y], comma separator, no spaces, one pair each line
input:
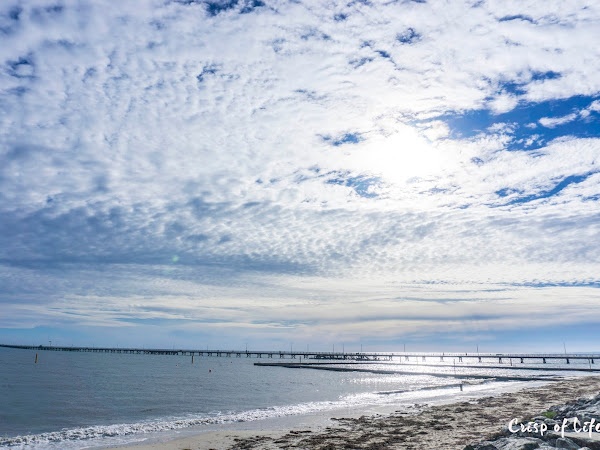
[398,157]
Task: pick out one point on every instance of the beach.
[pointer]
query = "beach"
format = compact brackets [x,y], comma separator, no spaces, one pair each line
[65,402]
[442,426]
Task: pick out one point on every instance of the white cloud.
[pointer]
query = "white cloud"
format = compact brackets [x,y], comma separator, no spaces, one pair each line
[594,106]
[551,122]
[503,103]
[287,143]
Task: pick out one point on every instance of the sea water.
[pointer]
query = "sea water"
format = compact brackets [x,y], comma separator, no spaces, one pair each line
[76,400]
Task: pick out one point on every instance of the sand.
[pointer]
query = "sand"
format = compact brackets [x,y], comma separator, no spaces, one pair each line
[448,426]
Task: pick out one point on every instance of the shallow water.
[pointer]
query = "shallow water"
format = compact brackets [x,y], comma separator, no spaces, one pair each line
[68,399]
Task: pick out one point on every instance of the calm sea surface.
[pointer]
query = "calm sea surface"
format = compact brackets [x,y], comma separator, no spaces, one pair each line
[81,400]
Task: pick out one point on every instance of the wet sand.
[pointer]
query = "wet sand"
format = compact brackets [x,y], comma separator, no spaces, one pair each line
[448,426]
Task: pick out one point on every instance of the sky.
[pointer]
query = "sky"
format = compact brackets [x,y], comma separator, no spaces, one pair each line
[298,173]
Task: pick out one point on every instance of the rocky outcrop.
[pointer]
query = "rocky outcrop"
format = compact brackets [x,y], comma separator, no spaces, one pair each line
[574,425]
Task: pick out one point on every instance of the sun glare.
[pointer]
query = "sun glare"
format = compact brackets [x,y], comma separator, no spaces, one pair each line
[399,157]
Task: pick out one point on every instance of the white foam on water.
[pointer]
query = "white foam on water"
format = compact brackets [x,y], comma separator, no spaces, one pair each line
[96,436]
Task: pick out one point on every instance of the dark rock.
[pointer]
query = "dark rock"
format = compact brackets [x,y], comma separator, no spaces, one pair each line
[486,446]
[567,444]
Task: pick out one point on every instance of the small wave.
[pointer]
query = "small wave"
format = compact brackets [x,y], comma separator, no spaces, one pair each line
[57,439]
[120,430]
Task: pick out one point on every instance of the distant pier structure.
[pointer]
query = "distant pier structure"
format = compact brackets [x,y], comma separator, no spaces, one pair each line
[414,357]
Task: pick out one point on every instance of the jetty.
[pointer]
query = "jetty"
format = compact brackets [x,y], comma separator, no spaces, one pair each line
[408,357]
[353,368]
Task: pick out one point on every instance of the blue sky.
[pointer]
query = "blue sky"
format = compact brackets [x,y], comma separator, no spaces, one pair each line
[196,173]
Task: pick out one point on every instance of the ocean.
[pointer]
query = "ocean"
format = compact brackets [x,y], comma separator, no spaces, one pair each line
[94,400]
